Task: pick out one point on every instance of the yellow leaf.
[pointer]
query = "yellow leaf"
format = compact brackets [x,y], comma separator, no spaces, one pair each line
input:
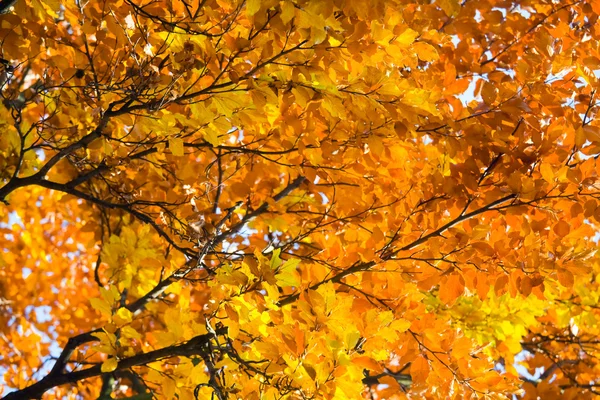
[101,305]
[173,321]
[176,146]
[122,316]
[287,275]
[513,344]
[110,328]
[400,325]
[275,259]
[107,340]
[310,371]
[267,349]
[109,365]
[425,51]
[210,135]
[108,149]
[234,329]
[252,7]
[287,11]
[110,295]
[169,388]
[130,333]
[406,38]
[351,339]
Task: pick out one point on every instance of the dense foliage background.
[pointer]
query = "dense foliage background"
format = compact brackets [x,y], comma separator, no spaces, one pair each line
[299,199]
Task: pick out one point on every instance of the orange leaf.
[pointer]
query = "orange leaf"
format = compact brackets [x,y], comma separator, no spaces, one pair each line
[561,228]
[368,363]
[452,289]
[566,278]
[419,369]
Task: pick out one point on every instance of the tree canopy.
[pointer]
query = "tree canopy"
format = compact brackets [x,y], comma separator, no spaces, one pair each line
[299,199]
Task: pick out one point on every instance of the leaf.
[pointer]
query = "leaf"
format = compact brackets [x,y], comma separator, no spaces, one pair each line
[407,37]
[425,51]
[169,387]
[462,347]
[176,146]
[489,93]
[122,316]
[367,363]
[130,333]
[210,135]
[566,278]
[108,342]
[287,275]
[275,261]
[452,289]
[400,325]
[109,365]
[580,137]
[484,248]
[561,228]
[101,305]
[110,295]
[450,7]
[419,369]
[287,11]
[270,199]
[547,172]
[390,332]
[252,7]
[310,371]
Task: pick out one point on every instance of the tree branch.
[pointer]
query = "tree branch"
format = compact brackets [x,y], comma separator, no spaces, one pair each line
[193,347]
[365,266]
[160,288]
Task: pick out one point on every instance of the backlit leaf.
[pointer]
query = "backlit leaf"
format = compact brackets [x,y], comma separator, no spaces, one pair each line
[109,365]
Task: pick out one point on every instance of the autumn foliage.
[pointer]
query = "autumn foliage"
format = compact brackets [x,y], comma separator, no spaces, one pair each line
[299,199]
